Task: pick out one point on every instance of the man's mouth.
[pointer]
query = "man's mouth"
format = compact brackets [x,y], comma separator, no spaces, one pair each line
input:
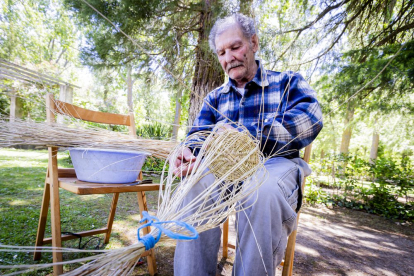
[234,66]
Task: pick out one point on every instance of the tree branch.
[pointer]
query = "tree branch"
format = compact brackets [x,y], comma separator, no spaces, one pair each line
[319,17]
[394,33]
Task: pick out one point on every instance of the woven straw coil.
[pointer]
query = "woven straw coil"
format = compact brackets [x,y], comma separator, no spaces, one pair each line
[235,152]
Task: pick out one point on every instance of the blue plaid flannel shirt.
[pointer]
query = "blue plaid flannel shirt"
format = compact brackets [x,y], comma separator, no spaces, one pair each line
[291,114]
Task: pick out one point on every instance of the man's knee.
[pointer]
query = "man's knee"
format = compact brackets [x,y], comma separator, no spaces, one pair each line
[280,191]
[284,175]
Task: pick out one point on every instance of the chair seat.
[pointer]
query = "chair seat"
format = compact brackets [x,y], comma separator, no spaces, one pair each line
[69,182]
[74,185]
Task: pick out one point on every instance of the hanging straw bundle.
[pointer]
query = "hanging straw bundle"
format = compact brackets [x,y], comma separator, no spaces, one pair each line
[231,188]
[20,132]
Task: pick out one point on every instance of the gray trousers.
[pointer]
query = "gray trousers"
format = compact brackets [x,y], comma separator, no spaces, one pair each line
[262,229]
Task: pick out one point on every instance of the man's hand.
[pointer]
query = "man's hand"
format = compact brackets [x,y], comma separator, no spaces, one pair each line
[184,163]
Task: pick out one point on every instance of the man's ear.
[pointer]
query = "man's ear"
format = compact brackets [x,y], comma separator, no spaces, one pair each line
[255,43]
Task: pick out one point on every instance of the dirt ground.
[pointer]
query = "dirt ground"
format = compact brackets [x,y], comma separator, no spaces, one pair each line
[335,241]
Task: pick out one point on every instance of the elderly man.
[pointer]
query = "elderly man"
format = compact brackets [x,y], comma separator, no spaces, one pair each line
[280,109]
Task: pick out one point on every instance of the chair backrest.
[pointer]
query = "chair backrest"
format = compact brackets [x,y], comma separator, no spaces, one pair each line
[58,107]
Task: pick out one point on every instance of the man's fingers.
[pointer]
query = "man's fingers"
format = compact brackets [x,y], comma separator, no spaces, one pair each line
[177,163]
[190,167]
[184,169]
[184,162]
[188,155]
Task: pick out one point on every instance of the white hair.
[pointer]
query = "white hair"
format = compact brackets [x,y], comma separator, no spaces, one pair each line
[245,23]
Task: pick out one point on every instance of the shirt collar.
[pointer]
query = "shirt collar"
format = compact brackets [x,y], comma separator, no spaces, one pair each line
[257,79]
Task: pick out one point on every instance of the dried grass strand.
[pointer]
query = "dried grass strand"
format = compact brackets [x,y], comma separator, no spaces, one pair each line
[25,132]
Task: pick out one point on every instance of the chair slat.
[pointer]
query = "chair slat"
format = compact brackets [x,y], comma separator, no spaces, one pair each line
[90,115]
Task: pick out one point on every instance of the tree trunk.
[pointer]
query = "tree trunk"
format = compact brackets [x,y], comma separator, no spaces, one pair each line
[13,106]
[177,117]
[65,95]
[105,97]
[178,96]
[374,147]
[129,90]
[346,135]
[208,73]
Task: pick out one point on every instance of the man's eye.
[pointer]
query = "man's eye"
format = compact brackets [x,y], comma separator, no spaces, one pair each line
[221,53]
[236,47]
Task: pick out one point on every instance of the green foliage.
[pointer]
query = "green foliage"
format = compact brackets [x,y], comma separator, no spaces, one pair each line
[159,27]
[107,46]
[384,187]
[36,31]
[385,105]
[38,35]
[154,164]
[154,130]
[4,104]
[356,68]
[278,48]
[66,159]
[313,193]
[388,172]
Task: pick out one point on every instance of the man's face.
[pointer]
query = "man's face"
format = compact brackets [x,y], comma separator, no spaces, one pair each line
[236,54]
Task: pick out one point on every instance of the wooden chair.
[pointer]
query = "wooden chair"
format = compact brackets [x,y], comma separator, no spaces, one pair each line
[66,179]
[287,263]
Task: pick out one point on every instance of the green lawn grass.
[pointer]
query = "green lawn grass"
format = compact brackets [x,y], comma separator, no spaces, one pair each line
[22,174]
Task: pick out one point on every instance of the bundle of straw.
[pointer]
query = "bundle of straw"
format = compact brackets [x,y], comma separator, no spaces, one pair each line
[229,193]
[21,132]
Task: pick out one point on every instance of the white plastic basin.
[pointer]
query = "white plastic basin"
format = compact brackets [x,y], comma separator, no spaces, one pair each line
[107,166]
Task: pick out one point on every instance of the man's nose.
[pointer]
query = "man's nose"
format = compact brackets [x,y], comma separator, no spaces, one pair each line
[229,57]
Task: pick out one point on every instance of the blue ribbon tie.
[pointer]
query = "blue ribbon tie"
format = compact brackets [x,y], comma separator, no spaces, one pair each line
[149,241]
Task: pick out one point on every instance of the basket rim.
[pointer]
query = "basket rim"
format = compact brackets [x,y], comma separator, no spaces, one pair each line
[110,151]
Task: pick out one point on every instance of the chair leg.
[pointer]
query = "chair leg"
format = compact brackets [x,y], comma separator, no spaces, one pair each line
[142,203]
[111,217]
[290,252]
[290,248]
[55,210]
[226,238]
[42,221]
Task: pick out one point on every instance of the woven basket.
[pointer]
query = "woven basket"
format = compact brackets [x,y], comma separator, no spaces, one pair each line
[235,152]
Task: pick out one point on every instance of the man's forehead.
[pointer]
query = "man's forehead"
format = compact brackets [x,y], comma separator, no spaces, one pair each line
[229,37]
[228,42]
